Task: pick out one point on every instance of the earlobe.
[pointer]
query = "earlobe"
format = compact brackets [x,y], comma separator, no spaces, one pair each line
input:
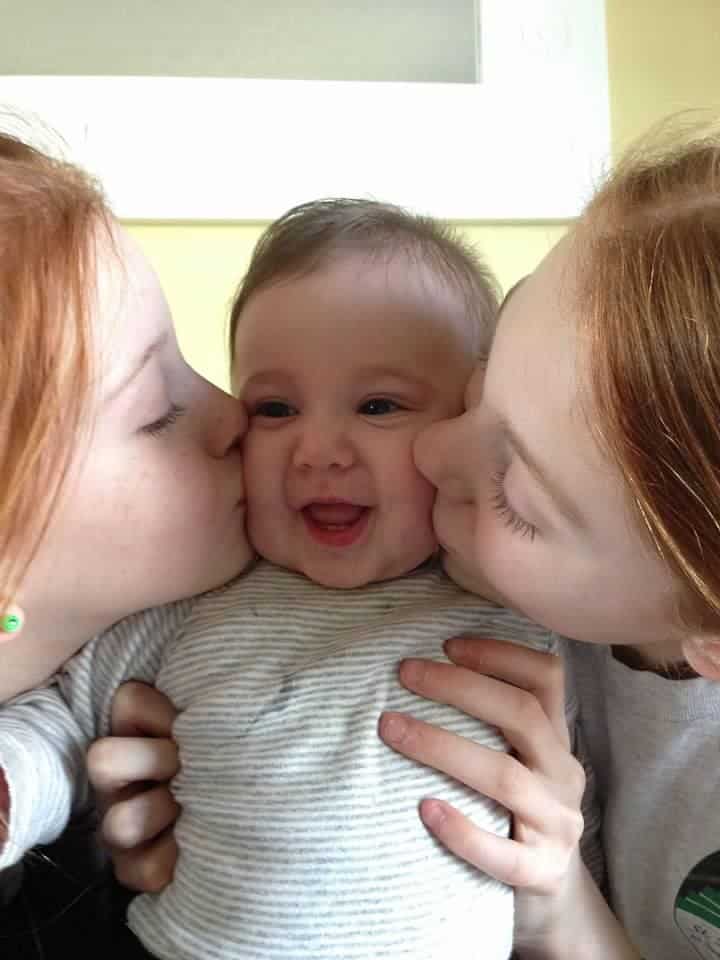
[702,652]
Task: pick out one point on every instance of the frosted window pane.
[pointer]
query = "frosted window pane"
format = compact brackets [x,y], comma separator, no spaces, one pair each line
[387,40]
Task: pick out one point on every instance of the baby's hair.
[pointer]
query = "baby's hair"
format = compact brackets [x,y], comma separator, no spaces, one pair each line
[649,248]
[310,235]
[49,212]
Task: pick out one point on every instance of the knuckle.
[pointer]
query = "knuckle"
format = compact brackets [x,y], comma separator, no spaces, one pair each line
[100,764]
[510,781]
[571,830]
[128,700]
[552,675]
[577,779]
[555,669]
[121,827]
[144,871]
[520,872]
[153,873]
[527,711]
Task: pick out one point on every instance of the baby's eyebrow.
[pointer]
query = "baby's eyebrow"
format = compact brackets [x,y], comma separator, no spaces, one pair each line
[378,372]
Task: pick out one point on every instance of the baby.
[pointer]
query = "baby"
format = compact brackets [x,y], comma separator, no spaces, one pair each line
[356,326]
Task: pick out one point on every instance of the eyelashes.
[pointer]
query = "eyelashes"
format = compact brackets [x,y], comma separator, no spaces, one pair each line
[163,423]
[510,518]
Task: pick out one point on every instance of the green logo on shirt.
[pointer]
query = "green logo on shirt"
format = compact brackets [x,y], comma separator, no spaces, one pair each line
[697,907]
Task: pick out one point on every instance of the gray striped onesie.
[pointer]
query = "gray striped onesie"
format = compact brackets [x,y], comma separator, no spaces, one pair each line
[299,835]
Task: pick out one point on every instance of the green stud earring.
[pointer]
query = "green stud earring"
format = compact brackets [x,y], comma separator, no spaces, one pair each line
[11,620]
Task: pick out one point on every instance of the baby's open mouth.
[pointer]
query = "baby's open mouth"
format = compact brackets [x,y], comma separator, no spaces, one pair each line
[336,524]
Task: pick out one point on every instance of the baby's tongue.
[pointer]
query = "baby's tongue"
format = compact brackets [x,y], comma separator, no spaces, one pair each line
[334,514]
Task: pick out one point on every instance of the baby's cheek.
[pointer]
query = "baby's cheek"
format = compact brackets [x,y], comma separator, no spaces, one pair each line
[258,529]
[421,497]
[255,468]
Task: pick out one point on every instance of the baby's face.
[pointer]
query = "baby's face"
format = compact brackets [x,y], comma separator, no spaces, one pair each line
[339,371]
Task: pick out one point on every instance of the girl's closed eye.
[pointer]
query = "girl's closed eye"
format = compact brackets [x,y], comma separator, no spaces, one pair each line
[502,506]
[163,423]
[273,409]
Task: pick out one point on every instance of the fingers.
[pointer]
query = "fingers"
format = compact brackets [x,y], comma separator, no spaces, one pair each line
[541,674]
[515,711]
[150,868]
[516,864]
[140,816]
[115,762]
[490,772]
[139,709]
[137,826]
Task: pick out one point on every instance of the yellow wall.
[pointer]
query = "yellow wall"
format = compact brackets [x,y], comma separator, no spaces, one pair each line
[663,56]
[200,265]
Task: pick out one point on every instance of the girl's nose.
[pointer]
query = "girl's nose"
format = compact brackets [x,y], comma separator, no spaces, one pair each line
[441,452]
[229,422]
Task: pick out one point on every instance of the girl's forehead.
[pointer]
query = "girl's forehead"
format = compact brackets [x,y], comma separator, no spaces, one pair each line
[536,376]
[538,318]
[131,313]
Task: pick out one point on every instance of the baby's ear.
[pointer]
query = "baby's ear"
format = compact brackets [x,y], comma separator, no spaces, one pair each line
[702,652]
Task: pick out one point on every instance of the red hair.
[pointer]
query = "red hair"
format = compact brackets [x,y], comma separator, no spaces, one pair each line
[649,245]
[49,215]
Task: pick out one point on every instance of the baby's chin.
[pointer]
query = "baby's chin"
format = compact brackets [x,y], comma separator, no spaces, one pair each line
[341,576]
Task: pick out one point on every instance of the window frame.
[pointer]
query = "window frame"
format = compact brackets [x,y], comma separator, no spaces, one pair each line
[527,142]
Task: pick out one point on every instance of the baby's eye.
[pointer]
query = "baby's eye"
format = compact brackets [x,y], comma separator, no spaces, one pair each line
[379,406]
[273,408]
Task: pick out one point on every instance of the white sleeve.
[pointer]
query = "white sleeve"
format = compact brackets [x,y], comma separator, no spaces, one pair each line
[42,755]
[44,734]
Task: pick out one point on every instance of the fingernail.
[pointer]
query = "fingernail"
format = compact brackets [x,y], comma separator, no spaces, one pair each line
[453,646]
[393,728]
[432,813]
[411,672]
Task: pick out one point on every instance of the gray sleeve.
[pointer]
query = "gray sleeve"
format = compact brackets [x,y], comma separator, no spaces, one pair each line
[131,650]
[591,847]
[44,734]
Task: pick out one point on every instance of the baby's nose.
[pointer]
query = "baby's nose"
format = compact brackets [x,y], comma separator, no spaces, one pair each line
[323,446]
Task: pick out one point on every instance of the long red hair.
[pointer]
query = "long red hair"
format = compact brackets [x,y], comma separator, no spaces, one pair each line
[50,212]
[649,246]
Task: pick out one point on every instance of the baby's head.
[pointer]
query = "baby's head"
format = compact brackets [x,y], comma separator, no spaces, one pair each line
[356,326]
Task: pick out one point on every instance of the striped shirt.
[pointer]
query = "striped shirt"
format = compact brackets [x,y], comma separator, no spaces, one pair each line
[299,835]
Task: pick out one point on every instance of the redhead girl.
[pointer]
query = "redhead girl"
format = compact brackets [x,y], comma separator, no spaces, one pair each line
[582,487]
[99,416]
